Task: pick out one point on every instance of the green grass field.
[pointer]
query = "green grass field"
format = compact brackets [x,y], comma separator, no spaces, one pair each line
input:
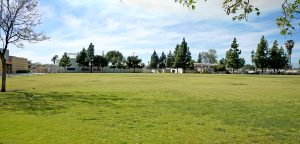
[150,108]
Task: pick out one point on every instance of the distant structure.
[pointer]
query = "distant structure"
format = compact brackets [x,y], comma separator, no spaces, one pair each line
[14,64]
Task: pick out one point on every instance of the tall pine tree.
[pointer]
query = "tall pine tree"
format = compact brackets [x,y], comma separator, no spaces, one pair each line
[233,59]
[261,57]
[278,59]
[162,60]
[169,60]
[154,60]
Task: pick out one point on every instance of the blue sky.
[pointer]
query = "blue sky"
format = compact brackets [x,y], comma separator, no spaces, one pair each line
[140,26]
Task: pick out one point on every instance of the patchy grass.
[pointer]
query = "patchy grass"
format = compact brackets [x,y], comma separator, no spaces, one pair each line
[150,108]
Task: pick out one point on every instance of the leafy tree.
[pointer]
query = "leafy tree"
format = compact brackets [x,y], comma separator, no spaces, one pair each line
[233,59]
[205,57]
[221,67]
[278,59]
[113,56]
[169,60]
[82,59]
[90,55]
[154,60]
[100,61]
[212,56]
[121,63]
[242,8]
[65,61]
[134,62]
[199,58]
[261,57]
[162,60]
[18,20]
[289,45]
[54,59]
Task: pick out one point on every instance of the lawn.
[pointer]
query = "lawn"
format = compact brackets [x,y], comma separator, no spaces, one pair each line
[150,108]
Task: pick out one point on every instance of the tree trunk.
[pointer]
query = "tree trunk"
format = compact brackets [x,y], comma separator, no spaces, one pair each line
[65,69]
[91,69]
[134,70]
[274,71]
[3,88]
[262,71]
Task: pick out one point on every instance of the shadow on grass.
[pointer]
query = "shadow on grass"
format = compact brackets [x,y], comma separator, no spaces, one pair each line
[51,103]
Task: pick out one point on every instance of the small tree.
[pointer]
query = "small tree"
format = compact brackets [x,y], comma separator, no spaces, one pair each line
[278,59]
[100,61]
[162,60]
[169,60]
[221,67]
[54,58]
[82,59]
[261,57]
[154,61]
[113,56]
[233,59]
[199,58]
[212,56]
[289,45]
[65,61]
[18,19]
[133,62]
[90,56]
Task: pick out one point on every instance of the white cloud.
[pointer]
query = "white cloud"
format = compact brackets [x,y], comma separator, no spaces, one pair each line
[141,26]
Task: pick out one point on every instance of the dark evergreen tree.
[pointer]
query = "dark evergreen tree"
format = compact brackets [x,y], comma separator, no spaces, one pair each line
[154,60]
[162,60]
[65,61]
[261,57]
[233,59]
[82,59]
[169,60]
[199,58]
[90,55]
[278,59]
[221,67]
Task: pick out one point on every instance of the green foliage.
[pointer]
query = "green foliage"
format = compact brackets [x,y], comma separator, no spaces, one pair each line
[233,59]
[65,61]
[241,9]
[162,60]
[113,56]
[261,57]
[221,67]
[134,62]
[289,20]
[90,55]
[82,59]
[278,59]
[182,56]
[154,60]
[169,60]
[199,60]
[100,61]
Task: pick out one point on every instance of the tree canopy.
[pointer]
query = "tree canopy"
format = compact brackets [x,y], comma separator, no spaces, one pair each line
[233,59]
[288,22]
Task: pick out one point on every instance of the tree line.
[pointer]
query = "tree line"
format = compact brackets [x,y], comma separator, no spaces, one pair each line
[262,58]
[87,59]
